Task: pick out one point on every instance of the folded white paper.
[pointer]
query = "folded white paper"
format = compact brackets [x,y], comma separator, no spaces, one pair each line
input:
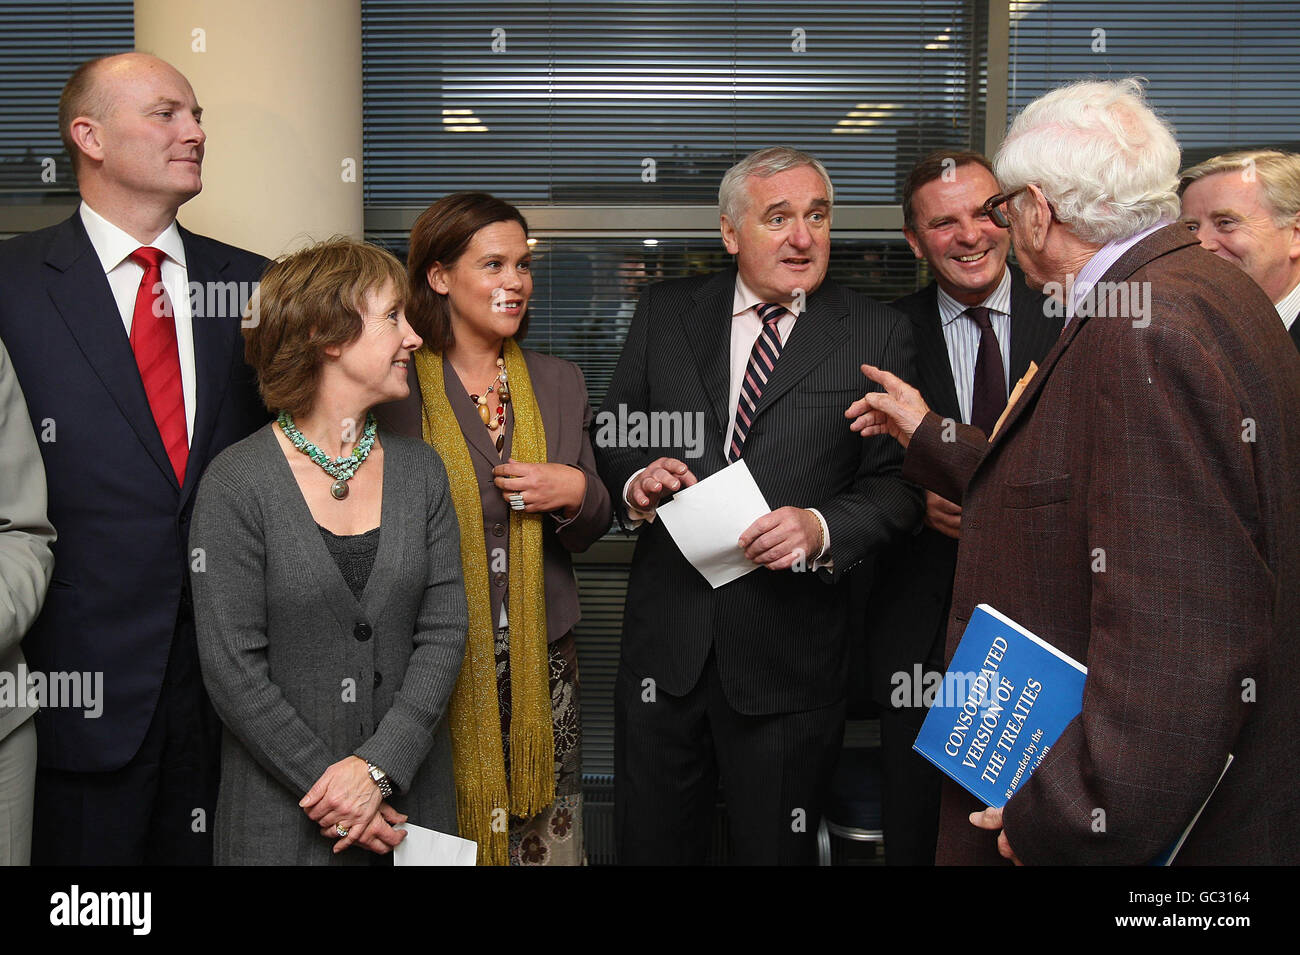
[706,521]
[428,847]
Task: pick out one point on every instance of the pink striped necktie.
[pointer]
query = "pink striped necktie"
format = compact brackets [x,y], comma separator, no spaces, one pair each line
[762,359]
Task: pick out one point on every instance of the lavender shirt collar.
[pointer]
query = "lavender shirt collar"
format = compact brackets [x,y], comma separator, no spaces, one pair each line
[1100,262]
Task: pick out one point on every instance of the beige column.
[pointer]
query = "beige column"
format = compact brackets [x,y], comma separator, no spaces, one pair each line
[280,86]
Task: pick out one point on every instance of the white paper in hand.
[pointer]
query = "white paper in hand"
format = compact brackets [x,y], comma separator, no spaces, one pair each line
[706,521]
[428,847]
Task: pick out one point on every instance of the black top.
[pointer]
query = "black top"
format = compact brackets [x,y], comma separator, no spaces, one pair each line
[355,555]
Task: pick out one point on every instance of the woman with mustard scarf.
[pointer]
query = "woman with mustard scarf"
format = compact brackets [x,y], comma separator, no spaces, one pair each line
[511,427]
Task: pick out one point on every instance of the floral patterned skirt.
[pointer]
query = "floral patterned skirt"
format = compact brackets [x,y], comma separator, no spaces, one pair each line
[554,835]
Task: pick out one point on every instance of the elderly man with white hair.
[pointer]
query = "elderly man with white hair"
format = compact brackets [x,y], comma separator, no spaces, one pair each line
[1138,507]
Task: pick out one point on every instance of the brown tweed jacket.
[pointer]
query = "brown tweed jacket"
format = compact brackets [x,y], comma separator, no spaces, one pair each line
[1140,510]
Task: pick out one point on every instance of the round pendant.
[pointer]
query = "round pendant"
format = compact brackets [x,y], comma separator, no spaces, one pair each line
[339,490]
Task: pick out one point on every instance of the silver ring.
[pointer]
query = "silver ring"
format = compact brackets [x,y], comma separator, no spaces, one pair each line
[517,500]
[338,827]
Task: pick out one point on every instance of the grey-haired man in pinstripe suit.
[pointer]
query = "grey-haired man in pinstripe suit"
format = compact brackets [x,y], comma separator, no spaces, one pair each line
[746,683]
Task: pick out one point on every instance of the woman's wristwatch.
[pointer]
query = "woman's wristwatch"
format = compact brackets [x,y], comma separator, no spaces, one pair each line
[381,780]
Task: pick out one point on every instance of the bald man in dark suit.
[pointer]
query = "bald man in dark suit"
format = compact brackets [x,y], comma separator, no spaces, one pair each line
[125,335]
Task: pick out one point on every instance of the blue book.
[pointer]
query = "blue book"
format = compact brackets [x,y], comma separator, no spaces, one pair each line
[1004,702]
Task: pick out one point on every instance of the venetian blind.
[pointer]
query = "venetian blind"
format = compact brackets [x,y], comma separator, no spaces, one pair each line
[650,102]
[1227,75]
[40,45]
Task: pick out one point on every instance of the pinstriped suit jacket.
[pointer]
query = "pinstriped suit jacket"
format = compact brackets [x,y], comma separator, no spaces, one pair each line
[1135,441]
[780,637]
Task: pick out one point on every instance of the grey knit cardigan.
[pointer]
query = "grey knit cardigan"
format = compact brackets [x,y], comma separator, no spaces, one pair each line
[301,673]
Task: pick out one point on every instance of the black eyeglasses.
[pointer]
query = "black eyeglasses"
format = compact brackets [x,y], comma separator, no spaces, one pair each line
[993,207]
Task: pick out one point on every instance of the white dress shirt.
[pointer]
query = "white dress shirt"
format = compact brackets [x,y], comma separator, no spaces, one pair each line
[114,248]
[1289,307]
[745,326]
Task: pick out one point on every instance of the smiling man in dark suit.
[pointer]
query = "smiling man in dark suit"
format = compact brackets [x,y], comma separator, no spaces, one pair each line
[1245,208]
[124,330]
[747,682]
[977,327]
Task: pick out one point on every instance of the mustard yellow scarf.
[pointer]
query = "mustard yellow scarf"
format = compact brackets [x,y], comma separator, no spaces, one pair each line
[482,793]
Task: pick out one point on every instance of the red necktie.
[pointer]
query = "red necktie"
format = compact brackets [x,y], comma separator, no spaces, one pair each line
[153,339]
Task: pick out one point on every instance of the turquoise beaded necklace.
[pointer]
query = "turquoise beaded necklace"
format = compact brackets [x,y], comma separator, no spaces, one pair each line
[341,469]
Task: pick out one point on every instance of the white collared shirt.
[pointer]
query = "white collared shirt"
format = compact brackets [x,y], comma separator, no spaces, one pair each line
[962,337]
[745,326]
[114,247]
[1289,307]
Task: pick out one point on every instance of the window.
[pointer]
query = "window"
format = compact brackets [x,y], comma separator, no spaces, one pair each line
[638,102]
[40,45]
[1225,75]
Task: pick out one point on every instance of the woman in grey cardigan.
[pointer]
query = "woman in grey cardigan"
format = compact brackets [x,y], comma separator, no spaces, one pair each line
[327,584]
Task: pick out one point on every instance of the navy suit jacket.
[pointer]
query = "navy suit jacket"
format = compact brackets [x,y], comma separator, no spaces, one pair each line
[120,563]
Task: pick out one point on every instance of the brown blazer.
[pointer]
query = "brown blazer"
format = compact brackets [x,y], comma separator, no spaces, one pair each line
[1171,453]
[562,398]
